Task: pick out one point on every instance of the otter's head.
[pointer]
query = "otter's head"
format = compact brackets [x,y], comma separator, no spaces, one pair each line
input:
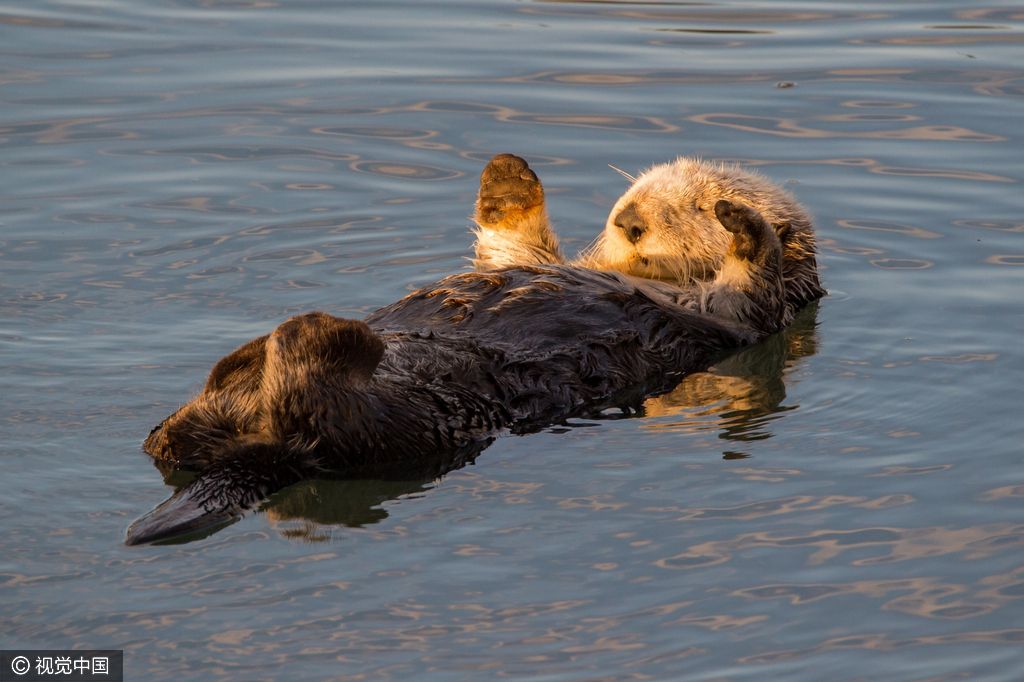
[664,227]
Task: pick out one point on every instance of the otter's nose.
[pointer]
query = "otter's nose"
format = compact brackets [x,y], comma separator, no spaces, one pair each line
[631,224]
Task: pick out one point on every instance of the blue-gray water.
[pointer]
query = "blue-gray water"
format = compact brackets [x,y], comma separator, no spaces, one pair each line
[179,176]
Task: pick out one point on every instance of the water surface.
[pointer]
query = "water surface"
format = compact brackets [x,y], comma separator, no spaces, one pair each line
[841,503]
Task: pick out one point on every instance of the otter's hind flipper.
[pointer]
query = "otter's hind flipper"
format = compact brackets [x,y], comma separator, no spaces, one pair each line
[220,493]
[513,220]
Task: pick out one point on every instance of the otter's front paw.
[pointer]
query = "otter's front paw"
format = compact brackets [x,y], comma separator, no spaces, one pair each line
[753,238]
[508,189]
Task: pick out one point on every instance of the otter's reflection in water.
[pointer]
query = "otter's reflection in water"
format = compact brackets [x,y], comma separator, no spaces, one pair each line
[739,397]
[351,501]
[743,394]
[355,501]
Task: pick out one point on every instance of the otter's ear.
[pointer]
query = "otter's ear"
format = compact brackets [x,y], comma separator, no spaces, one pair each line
[782,230]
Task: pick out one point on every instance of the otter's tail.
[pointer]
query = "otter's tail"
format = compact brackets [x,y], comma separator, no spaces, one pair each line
[221,493]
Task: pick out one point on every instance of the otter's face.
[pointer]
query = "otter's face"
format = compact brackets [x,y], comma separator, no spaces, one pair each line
[664,227]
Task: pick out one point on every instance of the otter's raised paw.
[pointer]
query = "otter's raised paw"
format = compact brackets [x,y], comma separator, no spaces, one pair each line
[753,237]
[508,189]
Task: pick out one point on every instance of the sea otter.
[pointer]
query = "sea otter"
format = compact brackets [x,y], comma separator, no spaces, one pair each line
[513,348]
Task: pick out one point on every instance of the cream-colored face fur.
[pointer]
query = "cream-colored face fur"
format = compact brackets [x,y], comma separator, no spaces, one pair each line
[664,227]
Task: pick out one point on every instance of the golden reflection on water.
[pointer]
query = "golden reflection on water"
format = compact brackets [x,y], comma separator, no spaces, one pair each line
[789,505]
[993,13]
[221,205]
[886,226]
[235,153]
[1003,493]
[583,120]
[404,171]
[989,82]
[929,41]
[745,15]
[791,127]
[1006,260]
[873,166]
[376,132]
[833,246]
[901,263]
[962,358]
[903,544]
[40,22]
[885,642]
[738,396]
[1001,225]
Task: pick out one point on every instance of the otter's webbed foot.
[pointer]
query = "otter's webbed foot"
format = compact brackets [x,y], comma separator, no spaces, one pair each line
[508,187]
[511,213]
[749,288]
